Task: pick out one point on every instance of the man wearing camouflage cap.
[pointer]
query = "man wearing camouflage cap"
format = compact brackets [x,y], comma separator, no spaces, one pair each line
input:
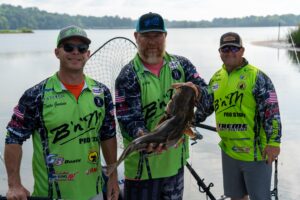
[69,117]
[248,122]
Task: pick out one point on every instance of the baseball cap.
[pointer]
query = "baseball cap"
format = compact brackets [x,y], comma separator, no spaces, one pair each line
[72,31]
[150,22]
[231,39]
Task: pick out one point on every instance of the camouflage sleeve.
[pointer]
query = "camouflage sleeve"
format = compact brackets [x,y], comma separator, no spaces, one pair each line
[268,108]
[108,128]
[205,103]
[25,116]
[128,103]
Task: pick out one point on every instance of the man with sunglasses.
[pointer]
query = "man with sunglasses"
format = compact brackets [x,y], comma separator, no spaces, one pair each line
[69,117]
[248,122]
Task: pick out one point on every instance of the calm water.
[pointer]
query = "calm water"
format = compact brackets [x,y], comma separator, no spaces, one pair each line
[29,58]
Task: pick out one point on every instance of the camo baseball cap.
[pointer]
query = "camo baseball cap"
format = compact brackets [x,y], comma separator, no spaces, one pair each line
[231,39]
[72,31]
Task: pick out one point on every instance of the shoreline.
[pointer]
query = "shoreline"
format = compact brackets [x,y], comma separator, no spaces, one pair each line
[278,44]
[7,31]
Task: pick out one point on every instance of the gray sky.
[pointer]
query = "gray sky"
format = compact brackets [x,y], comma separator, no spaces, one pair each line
[170,9]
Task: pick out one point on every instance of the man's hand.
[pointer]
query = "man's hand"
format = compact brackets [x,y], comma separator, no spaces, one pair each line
[271,152]
[156,148]
[17,192]
[190,84]
[113,189]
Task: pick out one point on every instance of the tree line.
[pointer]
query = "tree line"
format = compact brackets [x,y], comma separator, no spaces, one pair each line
[16,17]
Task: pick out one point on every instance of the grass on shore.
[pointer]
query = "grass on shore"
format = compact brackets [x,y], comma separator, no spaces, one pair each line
[295,34]
[23,30]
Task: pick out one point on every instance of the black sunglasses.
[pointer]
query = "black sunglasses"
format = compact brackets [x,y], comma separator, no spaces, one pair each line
[233,49]
[82,48]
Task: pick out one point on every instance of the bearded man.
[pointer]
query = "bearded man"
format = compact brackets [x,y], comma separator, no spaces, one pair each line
[143,89]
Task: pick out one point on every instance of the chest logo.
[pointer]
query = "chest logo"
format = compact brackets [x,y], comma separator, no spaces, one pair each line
[98,101]
[241,85]
[215,86]
[176,74]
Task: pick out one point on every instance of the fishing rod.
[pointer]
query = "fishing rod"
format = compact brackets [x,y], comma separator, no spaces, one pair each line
[200,182]
[274,192]
[204,126]
[203,188]
[294,48]
[1,157]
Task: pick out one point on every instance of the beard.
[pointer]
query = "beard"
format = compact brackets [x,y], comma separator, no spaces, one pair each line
[152,55]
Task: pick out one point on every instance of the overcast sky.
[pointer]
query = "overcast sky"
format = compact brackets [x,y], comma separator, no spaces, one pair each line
[170,9]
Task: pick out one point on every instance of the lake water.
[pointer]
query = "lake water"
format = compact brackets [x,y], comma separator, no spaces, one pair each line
[26,59]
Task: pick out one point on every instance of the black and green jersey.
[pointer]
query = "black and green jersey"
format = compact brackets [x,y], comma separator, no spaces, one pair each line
[66,136]
[247,112]
[141,98]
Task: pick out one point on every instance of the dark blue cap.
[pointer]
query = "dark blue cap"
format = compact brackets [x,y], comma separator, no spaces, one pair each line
[150,22]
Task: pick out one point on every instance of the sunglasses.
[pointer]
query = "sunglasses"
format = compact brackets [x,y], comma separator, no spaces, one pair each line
[227,49]
[82,48]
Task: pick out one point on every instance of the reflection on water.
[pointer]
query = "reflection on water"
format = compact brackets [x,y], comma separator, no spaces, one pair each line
[295,57]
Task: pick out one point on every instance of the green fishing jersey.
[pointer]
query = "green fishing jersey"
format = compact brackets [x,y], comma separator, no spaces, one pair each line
[66,136]
[158,91]
[247,113]
[141,98]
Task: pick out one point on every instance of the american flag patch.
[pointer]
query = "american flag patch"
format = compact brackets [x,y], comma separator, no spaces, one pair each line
[18,113]
[120,97]
[272,98]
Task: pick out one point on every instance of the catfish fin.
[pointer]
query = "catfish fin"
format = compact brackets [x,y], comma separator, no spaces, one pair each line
[189,133]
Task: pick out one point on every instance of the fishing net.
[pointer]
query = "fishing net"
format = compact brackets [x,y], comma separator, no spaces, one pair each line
[107,61]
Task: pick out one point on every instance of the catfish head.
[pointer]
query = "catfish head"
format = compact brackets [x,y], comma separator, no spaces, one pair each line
[183,103]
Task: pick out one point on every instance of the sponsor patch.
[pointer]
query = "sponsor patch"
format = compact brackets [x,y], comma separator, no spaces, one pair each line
[93,157]
[98,101]
[215,86]
[54,159]
[62,176]
[241,149]
[232,127]
[241,85]
[97,90]
[176,74]
[91,170]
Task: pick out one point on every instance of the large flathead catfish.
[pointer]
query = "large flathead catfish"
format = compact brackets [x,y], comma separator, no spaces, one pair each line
[179,115]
